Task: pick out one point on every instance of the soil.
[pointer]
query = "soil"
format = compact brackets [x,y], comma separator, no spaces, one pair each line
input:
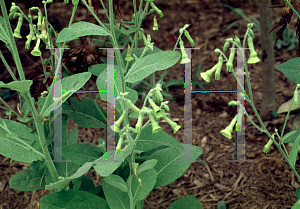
[265,182]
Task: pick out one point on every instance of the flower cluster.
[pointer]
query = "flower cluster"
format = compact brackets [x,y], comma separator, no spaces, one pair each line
[37,32]
[229,62]
[154,113]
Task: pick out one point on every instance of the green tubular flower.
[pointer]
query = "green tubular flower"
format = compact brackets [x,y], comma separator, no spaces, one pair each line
[13,7]
[187,35]
[155,25]
[164,105]
[229,64]
[48,40]
[39,23]
[155,127]
[139,123]
[184,58]
[158,11]
[141,33]
[36,50]
[237,40]
[253,55]
[134,167]
[132,106]
[144,38]
[226,45]
[206,75]
[296,97]
[17,32]
[33,34]
[29,37]
[232,103]
[116,126]
[174,125]
[158,87]
[158,112]
[128,57]
[12,10]
[227,131]
[148,42]
[219,67]
[157,96]
[43,35]
[267,146]
[120,142]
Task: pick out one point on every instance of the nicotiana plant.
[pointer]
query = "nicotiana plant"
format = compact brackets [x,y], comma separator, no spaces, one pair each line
[290,69]
[145,157]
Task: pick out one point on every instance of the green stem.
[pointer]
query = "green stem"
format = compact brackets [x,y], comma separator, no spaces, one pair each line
[40,130]
[23,142]
[12,41]
[7,66]
[260,121]
[9,107]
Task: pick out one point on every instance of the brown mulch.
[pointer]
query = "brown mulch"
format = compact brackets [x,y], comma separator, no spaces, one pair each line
[266,183]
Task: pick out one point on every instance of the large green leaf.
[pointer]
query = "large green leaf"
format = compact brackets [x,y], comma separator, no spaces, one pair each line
[28,180]
[71,83]
[149,141]
[105,167]
[80,29]
[188,201]
[3,33]
[86,114]
[291,69]
[150,64]
[294,151]
[16,142]
[81,153]
[70,199]
[171,163]
[141,190]
[115,191]
[64,182]
[21,86]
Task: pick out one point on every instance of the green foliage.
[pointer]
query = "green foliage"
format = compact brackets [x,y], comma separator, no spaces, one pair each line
[146,157]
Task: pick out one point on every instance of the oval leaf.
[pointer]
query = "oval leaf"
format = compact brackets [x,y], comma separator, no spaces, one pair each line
[80,29]
[150,64]
[291,69]
[21,86]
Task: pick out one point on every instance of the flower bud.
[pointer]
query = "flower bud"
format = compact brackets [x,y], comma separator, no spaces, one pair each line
[158,11]
[187,35]
[229,64]
[128,57]
[17,32]
[219,67]
[155,25]
[253,55]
